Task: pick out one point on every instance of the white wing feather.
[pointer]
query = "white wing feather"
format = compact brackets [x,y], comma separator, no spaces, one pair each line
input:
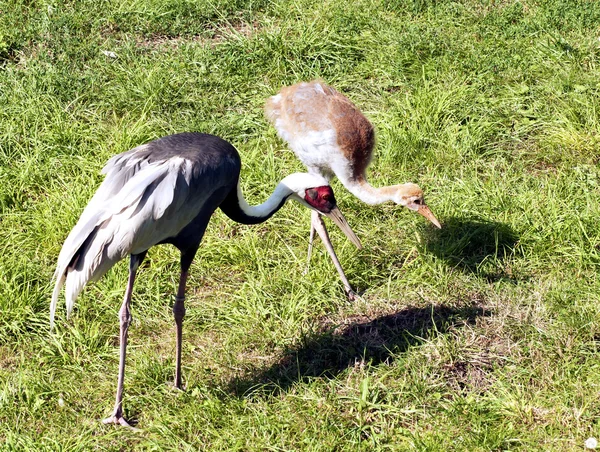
[138,205]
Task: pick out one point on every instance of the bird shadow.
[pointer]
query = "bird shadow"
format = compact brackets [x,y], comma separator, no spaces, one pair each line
[474,245]
[329,351]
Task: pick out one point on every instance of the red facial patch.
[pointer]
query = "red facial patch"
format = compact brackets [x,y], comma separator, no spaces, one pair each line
[321,198]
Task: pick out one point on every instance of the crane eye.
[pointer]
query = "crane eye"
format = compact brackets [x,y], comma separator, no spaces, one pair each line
[326,196]
[418,201]
[312,193]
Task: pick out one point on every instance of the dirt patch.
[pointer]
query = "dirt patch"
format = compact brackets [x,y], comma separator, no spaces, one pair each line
[485,349]
[8,359]
[212,36]
[169,42]
[471,376]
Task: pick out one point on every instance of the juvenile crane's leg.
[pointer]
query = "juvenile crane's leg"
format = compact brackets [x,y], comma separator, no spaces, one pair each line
[318,224]
[125,321]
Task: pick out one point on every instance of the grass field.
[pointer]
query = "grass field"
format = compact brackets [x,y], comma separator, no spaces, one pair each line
[483,336]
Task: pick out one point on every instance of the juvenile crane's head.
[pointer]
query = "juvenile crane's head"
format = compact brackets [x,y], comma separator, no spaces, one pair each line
[314,192]
[410,195]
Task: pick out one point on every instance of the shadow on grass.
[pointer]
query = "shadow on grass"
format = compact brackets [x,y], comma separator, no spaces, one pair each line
[474,245]
[329,352]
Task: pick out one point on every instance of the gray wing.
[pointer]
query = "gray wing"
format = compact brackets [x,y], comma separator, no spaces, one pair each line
[137,206]
[118,170]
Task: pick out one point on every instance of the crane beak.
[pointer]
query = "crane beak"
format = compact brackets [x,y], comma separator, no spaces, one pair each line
[427,213]
[337,217]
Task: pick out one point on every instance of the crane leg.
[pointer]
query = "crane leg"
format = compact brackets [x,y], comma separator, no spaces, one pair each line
[178,314]
[125,321]
[179,310]
[319,225]
[310,242]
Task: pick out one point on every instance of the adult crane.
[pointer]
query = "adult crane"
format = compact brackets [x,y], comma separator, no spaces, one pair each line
[331,137]
[165,191]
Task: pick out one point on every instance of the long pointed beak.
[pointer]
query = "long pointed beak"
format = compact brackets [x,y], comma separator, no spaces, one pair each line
[427,213]
[337,217]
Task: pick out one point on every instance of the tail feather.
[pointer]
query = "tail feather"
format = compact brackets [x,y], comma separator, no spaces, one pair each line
[273,108]
[59,283]
[274,113]
[87,263]
[70,260]
[75,268]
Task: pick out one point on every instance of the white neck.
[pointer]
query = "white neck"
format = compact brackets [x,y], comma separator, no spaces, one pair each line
[267,208]
[293,186]
[367,193]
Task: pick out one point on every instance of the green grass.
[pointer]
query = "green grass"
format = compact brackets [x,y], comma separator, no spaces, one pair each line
[481,336]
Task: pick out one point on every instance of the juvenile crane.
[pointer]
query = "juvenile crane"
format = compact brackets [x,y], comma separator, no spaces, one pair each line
[333,138]
[165,191]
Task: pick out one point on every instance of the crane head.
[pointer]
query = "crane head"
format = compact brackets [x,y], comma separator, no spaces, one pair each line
[314,192]
[323,201]
[411,196]
[321,198]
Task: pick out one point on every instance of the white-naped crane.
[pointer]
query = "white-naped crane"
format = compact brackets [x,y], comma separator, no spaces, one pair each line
[165,191]
[331,137]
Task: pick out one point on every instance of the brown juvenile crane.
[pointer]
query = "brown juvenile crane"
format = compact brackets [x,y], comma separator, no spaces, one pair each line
[333,138]
[166,191]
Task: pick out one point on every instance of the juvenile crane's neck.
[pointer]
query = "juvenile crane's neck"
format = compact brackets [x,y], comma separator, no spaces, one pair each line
[237,208]
[364,191]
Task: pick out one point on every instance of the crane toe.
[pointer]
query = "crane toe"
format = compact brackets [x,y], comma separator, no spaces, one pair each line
[117,419]
[352,296]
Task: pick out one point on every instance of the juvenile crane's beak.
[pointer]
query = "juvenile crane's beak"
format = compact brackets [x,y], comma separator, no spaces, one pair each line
[337,217]
[427,213]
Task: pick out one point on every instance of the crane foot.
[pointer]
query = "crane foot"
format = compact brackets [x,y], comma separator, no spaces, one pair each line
[352,296]
[119,420]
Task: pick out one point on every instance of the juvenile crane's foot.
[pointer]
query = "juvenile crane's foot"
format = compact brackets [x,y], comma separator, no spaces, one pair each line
[118,419]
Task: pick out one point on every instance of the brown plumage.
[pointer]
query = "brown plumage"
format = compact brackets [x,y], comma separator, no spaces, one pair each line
[331,136]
